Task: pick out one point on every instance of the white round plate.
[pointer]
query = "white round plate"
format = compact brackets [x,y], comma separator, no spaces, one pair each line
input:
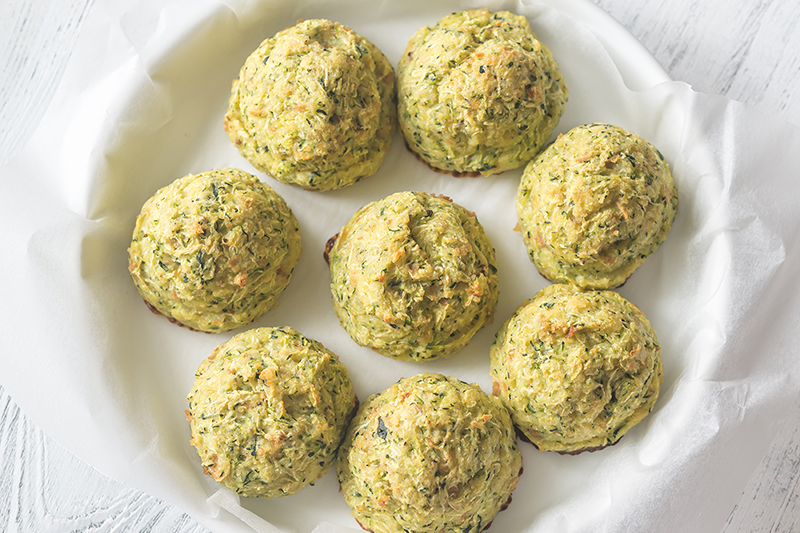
[155,116]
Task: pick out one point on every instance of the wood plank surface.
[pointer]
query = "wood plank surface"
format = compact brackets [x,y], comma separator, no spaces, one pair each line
[44,488]
[771,501]
[36,41]
[748,50]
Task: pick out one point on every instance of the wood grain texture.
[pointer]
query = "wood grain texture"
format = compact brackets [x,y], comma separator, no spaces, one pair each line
[744,49]
[37,42]
[771,501]
[38,482]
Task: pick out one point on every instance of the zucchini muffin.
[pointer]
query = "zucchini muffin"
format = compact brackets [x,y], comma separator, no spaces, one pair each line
[431,453]
[594,205]
[314,106]
[213,251]
[478,93]
[576,369]
[413,276]
[268,411]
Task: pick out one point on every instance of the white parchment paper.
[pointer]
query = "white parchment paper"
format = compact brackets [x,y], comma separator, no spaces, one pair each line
[141,104]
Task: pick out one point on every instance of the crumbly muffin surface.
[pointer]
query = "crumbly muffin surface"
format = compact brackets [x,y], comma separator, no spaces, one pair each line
[594,205]
[314,106]
[431,453]
[214,251]
[576,369]
[478,93]
[268,411]
[413,276]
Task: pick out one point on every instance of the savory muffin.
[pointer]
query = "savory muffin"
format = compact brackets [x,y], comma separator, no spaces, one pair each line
[413,276]
[576,369]
[431,453]
[478,93]
[213,251]
[268,411]
[594,205]
[315,106]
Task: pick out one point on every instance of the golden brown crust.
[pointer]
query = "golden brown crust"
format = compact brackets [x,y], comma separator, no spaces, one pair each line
[214,251]
[314,106]
[173,320]
[431,453]
[487,526]
[413,276]
[478,93]
[268,411]
[576,369]
[594,205]
[589,449]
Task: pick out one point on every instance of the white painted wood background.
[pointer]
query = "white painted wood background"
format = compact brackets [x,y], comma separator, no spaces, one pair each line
[747,50]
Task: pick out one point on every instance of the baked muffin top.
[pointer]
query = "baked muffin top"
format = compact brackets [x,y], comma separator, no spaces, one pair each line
[268,411]
[314,106]
[413,276]
[576,369]
[430,453]
[594,205]
[213,251]
[478,93]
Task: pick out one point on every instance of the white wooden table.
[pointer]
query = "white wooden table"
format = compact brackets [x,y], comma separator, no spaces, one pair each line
[743,49]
